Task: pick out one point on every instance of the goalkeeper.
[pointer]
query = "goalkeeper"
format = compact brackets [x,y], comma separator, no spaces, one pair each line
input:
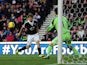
[66,37]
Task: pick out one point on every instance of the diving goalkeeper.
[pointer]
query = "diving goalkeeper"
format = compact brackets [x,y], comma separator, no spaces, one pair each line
[66,37]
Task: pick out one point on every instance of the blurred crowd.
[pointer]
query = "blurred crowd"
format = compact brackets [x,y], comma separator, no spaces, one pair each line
[76,13]
[16,11]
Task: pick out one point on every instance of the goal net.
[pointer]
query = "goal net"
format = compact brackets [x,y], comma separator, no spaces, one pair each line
[76,12]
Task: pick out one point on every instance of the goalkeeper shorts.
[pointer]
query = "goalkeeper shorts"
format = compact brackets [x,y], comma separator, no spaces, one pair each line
[66,37]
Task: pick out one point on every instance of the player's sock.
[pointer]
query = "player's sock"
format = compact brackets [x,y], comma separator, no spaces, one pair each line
[39,51]
[49,49]
[23,48]
[75,51]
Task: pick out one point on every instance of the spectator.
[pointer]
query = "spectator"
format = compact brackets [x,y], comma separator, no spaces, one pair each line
[24,17]
[74,33]
[47,37]
[23,36]
[19,21]
[80,32]
[85,1]
[17,38]
[81,21]
[74,1]
[85,35]
[16,11]
[43,38]
[37,16]
[10,37]
[12,17]
[13,1]
[85,26]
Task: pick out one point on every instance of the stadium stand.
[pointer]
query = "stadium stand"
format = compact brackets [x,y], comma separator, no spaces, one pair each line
[76,12]
[16,11]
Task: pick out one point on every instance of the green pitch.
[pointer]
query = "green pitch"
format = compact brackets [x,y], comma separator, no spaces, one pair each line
[35,60]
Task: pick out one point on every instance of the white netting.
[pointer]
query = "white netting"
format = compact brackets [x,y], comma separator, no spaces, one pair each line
[76,12]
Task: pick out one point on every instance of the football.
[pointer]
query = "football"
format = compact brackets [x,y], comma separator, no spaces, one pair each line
[11,25]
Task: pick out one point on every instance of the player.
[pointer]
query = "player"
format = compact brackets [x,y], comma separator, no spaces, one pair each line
[31,27]
[65,35]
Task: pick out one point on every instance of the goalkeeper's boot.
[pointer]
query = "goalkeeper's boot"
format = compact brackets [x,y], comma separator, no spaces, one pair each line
[46,57]
[16,52]
[41,55]
[80,56]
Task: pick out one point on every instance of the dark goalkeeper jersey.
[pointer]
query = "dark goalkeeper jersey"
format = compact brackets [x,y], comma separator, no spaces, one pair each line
[31,27]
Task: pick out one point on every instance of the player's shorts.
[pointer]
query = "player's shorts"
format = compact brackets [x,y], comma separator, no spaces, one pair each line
[32,38]
[66,38]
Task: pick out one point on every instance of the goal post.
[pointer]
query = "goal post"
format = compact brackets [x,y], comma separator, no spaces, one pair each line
[60,13]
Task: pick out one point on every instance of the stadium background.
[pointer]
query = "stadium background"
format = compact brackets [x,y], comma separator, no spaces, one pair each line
[16,11]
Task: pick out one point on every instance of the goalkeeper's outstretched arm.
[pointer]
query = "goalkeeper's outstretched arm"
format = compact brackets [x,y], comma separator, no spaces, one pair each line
[50,27]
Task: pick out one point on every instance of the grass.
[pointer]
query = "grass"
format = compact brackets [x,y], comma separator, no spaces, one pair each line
[35,60]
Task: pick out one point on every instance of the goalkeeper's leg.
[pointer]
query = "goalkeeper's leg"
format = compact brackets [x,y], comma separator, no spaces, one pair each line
[72,48]
[49,48]
[67,39]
